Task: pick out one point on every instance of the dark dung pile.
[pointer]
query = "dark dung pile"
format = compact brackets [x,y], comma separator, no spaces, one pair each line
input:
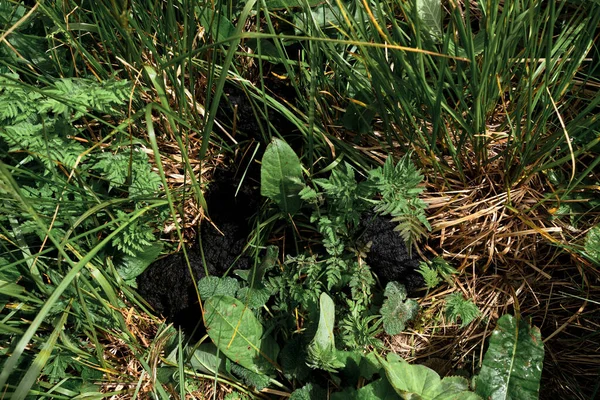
[167,284]
[168,287]
[388,256]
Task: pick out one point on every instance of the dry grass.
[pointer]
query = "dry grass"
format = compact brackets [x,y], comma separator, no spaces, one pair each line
[514,257]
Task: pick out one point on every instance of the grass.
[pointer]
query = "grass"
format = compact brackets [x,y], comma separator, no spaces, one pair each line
[497,100]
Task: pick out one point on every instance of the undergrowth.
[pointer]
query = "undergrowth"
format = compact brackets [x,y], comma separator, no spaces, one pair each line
[112,112]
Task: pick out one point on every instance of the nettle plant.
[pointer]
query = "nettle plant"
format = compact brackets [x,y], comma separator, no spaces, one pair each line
[317,313]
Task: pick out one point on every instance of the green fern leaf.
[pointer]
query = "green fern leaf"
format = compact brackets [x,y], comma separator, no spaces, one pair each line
[135,237]
[400,190]
[430,275]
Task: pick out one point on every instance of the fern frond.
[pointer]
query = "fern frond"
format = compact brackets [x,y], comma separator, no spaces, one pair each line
[359,330]
[430,275]
[135,238]
[399,188]
[411,228]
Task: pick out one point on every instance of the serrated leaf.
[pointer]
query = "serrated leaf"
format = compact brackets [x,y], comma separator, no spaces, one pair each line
[396,310]
[512,366]
[281,176]
[430,275]
[250,378]
[210,286]
[254,298]
[234,329]
[457,305]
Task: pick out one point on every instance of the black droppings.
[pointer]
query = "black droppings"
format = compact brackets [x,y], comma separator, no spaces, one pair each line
[388,256]
[167,284]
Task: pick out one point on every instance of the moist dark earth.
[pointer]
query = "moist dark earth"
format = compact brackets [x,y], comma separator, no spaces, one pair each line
[167,285]
[388,256]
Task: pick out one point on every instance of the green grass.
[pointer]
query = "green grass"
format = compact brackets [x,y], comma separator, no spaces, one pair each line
[502,95]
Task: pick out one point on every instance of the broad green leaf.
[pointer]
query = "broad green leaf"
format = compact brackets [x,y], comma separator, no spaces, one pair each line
[234,329]
[325,16]
[419,382]
[321,351]
[324,336]
[207,359]
[512,366]
[430,12]
[218,26]
[379,389]
[281,176]
[285,4]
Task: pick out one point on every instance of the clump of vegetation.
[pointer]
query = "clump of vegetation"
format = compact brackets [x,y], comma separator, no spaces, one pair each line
[114,115]
[338,204]
[396,309]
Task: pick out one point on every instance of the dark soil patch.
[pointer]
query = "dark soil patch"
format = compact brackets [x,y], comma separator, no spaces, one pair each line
[167,284]
[388,256]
